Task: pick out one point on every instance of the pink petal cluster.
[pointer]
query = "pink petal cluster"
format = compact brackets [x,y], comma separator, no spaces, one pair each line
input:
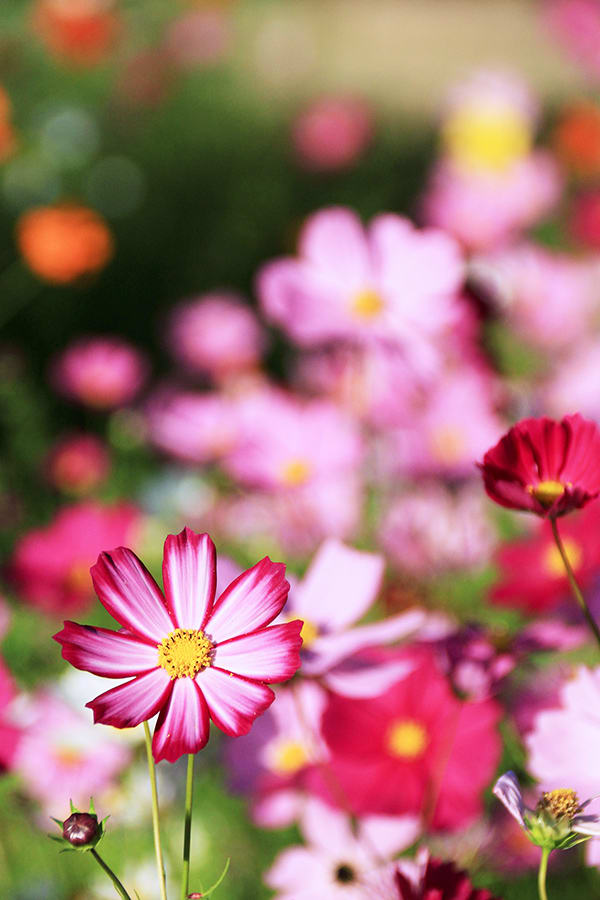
[235,651]
[100,372]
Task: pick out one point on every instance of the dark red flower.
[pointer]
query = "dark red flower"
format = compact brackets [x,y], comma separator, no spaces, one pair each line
[438,880]
[545,467]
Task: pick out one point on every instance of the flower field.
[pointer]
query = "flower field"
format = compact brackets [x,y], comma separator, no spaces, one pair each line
[300,479]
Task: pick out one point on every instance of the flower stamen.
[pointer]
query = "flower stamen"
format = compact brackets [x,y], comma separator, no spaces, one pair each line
[562,803]
[546,492]
[184,652]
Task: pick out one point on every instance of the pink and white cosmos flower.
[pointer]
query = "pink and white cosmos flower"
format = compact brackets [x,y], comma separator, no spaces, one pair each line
[192,658]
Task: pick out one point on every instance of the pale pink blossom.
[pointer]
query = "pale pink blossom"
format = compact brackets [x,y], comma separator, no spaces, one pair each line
[332,133]
[192,426]
[101,372]
[574,382]
[60,754]
[456,425]
[284,443]
[337,863]
[430,530]
[576,24]
[217,334]
[191,656]
[485,209]
[548,298]
[389,283]
[198,37]
[338,589]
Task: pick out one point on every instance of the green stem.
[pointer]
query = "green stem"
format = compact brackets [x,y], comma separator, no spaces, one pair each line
[187,832]
[118,886]
[542,874]
[573,582]
[155,825]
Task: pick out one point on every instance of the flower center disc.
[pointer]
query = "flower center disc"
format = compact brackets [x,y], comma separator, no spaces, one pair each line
[562,803]
[546,492]
[407,739]
[367,304]
[184,652]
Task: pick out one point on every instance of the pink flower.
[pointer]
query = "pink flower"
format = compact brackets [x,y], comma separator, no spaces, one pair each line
[216,333]
[332,133]
[193,426]
[199,37]
[576,24]
[545,467]
[340,586]
[284,444]
[455,425]
[101,372]
[77,464]
[60,754]
[432,879]
[191,657]
[50,565]
[573,383]
[411,748]
[546,297]
[9,732]
[432,530]
[485,209]
[339,863]
[388,283]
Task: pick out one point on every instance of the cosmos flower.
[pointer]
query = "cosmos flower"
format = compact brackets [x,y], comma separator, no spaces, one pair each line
[389,283]
[410,749]
[332,133]
[432,879]
[77,464]
[101,372]
[51,565]
[338,863]
[545,467]
[556,823]
[191,657]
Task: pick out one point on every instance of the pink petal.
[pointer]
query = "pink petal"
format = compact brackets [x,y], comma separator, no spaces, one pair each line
[335,242]
[390,834]
[271,654]
[233,702]
[189,577]
[105,652]
[133,702]
[130,594]
[329,650]
[508,791]
[183,725]
[327,828]
[339,586]
[250,602]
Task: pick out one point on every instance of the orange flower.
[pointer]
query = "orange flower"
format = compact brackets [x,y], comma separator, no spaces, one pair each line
[81,32]
[577,139]
[64,242]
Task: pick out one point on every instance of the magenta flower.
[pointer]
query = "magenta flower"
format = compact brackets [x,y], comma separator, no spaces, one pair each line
[192,658]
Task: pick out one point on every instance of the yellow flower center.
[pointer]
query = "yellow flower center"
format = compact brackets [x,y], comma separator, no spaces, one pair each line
[488,139]
[295,472]
[367,304]
[406,739]
[546,492]
[68,756]
[553,559]
[562,803]
[447,444]
[309,633]
[289,757]
[184,652]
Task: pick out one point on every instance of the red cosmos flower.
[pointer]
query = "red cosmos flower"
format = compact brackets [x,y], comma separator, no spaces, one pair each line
[410,750]
[532,573]
[544,466]
[191,657]
[436,880]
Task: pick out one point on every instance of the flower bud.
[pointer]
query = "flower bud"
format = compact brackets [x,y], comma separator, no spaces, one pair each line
[80,828]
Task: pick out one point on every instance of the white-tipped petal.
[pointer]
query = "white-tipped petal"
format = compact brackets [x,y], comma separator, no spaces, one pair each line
[507,790]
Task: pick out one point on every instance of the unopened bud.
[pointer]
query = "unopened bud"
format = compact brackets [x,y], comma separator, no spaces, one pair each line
[195,896]
[80,828]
